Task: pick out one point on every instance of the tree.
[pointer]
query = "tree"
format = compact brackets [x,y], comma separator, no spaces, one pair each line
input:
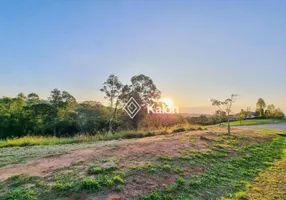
[248,113]
[145,92]
[226,106]
[220,115]
[203,119]
[33,98]
[91,116]
[278,114]
[62,104]
[260,105]
[270,112]
[112,88]
[241,115]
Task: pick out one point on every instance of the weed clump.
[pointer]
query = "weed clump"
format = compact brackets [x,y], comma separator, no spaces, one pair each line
[89,184]
[21,193]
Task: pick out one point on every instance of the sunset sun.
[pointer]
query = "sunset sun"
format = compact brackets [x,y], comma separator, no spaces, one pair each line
[168,101]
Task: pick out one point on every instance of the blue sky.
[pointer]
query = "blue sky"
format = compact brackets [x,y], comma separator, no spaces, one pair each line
[193,50]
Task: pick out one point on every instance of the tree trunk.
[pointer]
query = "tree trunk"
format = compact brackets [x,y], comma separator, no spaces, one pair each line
[110,125]
[55,131]
[228,126]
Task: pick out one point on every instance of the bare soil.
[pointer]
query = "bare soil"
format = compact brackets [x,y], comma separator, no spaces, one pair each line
[136,153]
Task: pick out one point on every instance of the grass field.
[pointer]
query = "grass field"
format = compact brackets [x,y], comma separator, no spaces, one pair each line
[256,122]
[85,138]
[199,164]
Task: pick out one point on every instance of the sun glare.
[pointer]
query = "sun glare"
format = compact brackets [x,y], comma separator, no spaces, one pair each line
[168,101]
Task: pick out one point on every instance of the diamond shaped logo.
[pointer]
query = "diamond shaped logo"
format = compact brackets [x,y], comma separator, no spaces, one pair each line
[132,107]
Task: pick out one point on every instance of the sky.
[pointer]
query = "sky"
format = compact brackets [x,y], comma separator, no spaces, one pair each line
[193,50]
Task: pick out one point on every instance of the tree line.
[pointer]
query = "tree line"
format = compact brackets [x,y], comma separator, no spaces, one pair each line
[262,111]
[61,115]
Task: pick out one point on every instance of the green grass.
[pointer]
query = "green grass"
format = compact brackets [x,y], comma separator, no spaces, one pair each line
[16,155]
[41,140]
[62,186]
[226,177]
[225,169]
[255,122]
[270,184]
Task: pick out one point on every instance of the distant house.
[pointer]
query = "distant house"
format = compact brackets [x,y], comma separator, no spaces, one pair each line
[251,116]
[234,117]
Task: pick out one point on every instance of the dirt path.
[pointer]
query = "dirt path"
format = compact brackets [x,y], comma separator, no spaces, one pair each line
[128,151]
[169,144]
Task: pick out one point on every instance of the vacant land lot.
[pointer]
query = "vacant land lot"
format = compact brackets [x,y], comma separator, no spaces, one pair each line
[204,164]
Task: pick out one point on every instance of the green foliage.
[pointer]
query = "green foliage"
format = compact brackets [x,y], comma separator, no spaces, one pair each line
[260,105]
[165,157]
[118,179]
[95,169]
[19,180]
[63,187]
[61,116]
[20,194]
[181,182]
[255,122]
[89,184]
[167,167]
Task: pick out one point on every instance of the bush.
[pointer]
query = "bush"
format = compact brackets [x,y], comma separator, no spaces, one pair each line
[23,194]
[95,170]
[181,182]
[63,186]
[89,184]
[118,179]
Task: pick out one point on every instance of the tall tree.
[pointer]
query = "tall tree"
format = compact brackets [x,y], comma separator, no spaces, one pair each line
[279,114]
[226,106]
[260,105]
[270,112]
[112,88]
[33,98]
[248,112]
[241,115]
[62,103]
[145,92]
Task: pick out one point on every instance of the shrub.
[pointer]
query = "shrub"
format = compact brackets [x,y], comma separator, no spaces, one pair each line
[89,184]
[165,157]
[105,180]
[20,194]
[95,170]
[167,167]
[63,186]
[118,179]
[181,181]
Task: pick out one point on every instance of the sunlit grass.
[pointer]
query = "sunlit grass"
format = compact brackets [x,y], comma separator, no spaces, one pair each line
[49,140]
[40,140]
[256,122]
